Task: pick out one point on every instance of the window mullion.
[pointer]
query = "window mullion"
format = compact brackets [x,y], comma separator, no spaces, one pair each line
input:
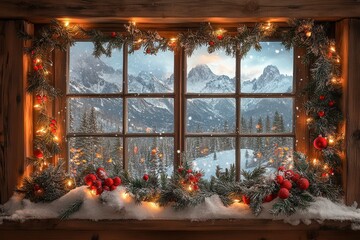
[238,116]
[125,110]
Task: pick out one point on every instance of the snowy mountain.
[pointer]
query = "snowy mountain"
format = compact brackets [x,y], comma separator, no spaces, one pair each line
[91,75]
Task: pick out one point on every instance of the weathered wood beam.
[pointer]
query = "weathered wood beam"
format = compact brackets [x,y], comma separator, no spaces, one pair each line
[15,108]
[177,10]
[349,35]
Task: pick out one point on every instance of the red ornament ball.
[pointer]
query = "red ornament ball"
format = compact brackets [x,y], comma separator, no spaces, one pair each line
[180,169]
[191,178]
[117,181]
[38,98]
[321,97]
[303,183]
[320,143]
[196,187]
[53,130]
[99,190]
[113,34]
[321,113]
[295,177]
[38,153]
[89,179]
[220,37]
[283,193]
[331,103]
[281,168]
[101,173]
[40,67]
[36,68]
[189,171]
[36,187]
[44,98]
[112,188]
[289,173]
[279,179]
[146,177]
[53,121]
[97,183]
[286,184]
[268,198]
[106,188]
[211,43]
[109,182]
[148,50]
[246,199]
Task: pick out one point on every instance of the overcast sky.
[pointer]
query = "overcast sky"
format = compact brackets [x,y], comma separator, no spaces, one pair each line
[162,65]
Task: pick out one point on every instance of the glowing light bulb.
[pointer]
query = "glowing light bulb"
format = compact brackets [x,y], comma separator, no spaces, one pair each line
[66,23]
[236,200]
[308,34]
[309,120]
[315,162]
[190,188]
[332,49]
[173,39]
[38,60]
[325,167]
[37,106]
[70,183]
[56,138]
[331,140]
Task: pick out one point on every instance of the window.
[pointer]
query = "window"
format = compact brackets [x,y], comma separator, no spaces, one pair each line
[141,111]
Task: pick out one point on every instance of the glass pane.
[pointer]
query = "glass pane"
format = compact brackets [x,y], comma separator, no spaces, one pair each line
[85,152]
[270,152]
[267,71]
[151,73]
[210,73]
[95,115]
[266,115]
[206,153]
[152,155]
[210,115]
[151,115]
[88,74]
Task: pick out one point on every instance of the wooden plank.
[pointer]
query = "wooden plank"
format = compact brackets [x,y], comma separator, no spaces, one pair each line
[353,115]
[301,77]
[171,225]
[60,108]
[112,10]
[13,118]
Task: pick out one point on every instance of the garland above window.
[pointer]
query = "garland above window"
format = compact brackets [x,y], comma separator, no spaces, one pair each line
[293,188]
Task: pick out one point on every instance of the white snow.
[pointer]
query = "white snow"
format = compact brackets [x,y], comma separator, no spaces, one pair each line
[118,205]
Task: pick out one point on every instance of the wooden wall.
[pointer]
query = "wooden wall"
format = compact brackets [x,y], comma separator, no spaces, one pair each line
[175,10]
[15,108]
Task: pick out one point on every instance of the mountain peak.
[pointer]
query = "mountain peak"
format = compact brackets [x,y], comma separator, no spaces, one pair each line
[271,69]
[201,71]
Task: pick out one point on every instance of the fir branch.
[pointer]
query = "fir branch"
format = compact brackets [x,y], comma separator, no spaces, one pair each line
[73,208]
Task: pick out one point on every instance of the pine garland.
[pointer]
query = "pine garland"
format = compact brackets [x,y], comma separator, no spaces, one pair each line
[186,188]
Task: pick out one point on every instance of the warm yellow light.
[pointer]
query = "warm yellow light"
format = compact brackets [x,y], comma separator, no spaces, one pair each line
[56,138]
[38,60]
[309,120]
[41,130]
[325,167]
[338,60]
[220,31]
[315,162]
[46,72]
[308,34]
[236,200]
[173,39]
[190,188]
[332,49]
[139,40]
[331,140]
[268,26]
[37,106]
[334,80]
[66,23]
[93,192]
[70,183]
[124,195]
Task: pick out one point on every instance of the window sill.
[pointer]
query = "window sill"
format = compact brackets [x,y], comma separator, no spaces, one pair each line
[160,229]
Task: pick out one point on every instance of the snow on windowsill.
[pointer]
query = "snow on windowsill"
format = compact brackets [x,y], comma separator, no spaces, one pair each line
[118,205]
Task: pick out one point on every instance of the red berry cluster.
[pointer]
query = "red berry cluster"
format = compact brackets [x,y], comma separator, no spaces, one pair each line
[101,182]
[286,179]
[41,99]
[190,178]
[53,125]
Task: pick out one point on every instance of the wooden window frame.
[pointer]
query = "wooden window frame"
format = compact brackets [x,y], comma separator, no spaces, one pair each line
[299,133]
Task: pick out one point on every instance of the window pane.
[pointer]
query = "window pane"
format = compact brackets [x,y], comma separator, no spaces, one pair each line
[210,73]
[267,71]
[94,75]
[97,151]
[151,73]
[266,115]
[210,115]
[270,152]
[206,153]
[151,115]
[95,115]
[151,155]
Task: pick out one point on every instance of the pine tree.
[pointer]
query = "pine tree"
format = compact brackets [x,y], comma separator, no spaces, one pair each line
[250,140]
[259,142]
